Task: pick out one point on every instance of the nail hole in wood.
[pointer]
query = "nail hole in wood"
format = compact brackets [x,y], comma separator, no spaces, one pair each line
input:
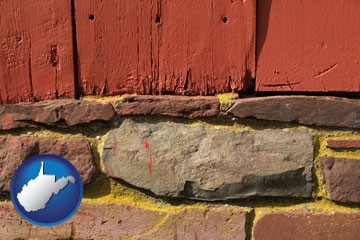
[225,19]
[91,17]
[157,20]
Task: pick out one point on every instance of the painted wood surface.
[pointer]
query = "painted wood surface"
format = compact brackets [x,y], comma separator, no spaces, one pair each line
[306,45]
[114,40]
[36,54]
[165,46]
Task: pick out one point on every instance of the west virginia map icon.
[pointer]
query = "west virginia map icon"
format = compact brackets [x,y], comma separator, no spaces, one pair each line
[46,190]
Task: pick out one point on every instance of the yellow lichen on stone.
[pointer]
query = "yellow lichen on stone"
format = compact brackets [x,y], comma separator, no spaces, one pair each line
[226,100]
[105,99]
[320,150]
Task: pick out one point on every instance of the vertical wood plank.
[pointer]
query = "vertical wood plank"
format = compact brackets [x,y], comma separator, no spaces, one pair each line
[36,54]
[206,46]
[308,46]
[165,47]
[114,46]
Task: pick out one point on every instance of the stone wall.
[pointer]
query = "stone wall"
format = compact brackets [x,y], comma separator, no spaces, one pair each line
[176,167]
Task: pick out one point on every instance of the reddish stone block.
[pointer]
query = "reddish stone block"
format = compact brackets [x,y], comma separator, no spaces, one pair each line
[14,150]
[226,223]
[308,46]
[343,144]
[117,221]
[111,221]
[36,50]
[308,226]
[176,106]
[58,113]
[342,178]
[324,111]
[13,226]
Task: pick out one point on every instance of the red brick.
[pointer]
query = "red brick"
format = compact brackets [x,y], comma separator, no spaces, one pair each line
[308,46]
[15,149]
[308,110]
[308,226]
[176,106]
[343,144]
[342,178]
[112,221]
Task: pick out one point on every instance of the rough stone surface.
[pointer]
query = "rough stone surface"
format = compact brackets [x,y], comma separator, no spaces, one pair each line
[179,160]
[226,223]
[342,178]
[59,113]
[15,149]
[109,221]
[325,111]
[176,106]
[307,226]
[343,144]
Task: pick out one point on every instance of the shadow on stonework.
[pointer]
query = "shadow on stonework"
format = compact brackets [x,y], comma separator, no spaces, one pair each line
[100,187]
[244,202]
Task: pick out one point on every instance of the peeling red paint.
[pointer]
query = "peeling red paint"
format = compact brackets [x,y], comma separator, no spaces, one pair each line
[150,164]
[147,147]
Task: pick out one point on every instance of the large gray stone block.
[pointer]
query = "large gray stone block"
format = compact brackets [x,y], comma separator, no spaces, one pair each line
[198,162]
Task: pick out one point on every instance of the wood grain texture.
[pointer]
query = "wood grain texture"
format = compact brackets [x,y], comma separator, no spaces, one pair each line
[206,47]
[308,46]
[165,46]
[36,54]
[114,41]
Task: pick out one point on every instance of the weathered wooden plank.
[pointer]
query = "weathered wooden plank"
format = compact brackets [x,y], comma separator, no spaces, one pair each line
[114,41]
[157,47]
[308,46]
[36,54]
[206,47]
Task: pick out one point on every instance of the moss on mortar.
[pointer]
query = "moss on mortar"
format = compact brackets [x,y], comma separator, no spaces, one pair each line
[227,100]
[105,99]
[104,190]
[320,150]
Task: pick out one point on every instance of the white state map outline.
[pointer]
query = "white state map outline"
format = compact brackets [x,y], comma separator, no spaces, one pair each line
[37,192]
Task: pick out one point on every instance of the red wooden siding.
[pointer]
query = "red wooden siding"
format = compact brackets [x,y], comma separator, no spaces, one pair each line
[306,45]
[36,54]
[186,47]
[156,47]
[115,48]
[206,46]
